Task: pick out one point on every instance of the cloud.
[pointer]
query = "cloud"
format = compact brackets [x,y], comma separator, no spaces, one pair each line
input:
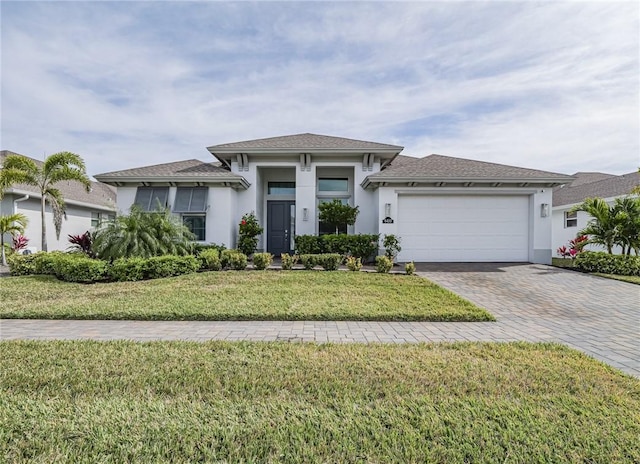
[544,85]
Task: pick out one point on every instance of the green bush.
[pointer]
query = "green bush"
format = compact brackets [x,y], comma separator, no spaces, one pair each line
[391,245]
[354,264]
[200,247]
[309,261]
[225,255]
[45,263]
[308,244]
[83,270]
[363,246]
[599,261]
[249,230]
[210,259]
[22,265]
[238,261]
[383,264]
[410,268]
[170,265]
[128,269]
[287,261]
[329,261]
[262,261]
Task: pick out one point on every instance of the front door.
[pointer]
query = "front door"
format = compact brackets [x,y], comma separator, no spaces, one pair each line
[280,226]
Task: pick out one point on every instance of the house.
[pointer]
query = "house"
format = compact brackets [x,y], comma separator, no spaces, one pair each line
[567,224]
[442,208]
[83,210]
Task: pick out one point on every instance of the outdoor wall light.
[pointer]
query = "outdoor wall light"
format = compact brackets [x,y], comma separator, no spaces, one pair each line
[387,209]
[305,214]
[544,210]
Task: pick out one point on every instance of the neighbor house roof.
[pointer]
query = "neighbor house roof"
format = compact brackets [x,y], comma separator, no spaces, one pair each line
[609,187]
[101,194]
[446,168]
[304,142]
[188,170]
[588,177]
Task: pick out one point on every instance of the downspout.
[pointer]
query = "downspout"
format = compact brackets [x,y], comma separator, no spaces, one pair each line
[15,203]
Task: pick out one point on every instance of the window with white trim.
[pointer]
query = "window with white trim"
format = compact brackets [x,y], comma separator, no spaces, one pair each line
[570,219]
[191,200]
[152,198]
[329,189]
[197,224]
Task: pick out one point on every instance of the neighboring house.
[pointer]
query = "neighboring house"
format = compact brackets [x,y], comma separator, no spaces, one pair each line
[442,208]
[566,225]
[84,210]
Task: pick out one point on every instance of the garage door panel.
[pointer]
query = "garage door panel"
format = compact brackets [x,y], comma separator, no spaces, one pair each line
[464,228]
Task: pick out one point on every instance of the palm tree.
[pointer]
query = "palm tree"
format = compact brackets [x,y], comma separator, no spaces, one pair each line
[143,234]
[626,212]
[12,224]
[63,166]
[602,228]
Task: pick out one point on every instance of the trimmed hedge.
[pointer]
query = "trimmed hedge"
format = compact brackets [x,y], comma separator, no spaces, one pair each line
[328,261]
[261,261]
[363,246]
[383,264]
[85,270]
[599,261]
[210,260]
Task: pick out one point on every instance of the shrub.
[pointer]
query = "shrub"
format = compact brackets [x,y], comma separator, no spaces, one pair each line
[249,230]
[82,243]
[238,261]
[308,244]
[200,247]
[168,266]
[336,244]
[308,261]
[391,245]
[210,259]
[383,264]
[128,269]
[410,268]
[599,261]
[22,265]
[363,246]
[354,264]
[262,261]
[225,256]
[20,242]
[329,261]
[287,261]
[83,269]
[46,263]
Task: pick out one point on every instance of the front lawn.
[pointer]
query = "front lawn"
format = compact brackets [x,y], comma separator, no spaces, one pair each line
[278,402]
[245,295]
[630,279]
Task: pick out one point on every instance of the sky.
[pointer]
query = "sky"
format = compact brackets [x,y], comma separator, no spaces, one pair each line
[545,85]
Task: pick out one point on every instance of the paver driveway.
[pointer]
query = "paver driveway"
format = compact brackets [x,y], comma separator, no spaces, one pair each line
[600,317]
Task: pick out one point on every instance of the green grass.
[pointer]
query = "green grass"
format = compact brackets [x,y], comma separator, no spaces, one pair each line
[278,402]
[562,262]
[630,279]
[245,295]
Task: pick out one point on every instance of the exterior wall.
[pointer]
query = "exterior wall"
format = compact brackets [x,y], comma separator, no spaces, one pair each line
[562,234]
[78,222]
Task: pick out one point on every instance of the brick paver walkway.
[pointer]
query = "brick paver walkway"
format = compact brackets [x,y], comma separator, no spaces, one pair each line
[598,316]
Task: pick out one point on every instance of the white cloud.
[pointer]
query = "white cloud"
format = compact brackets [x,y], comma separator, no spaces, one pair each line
[544,85]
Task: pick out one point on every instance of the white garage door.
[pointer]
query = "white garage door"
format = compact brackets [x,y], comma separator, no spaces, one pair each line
[463,228]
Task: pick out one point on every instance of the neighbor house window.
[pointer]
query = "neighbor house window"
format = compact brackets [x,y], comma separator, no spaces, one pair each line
[95,219]
[98,218]
[196,223]
[570,219]
[281,188]
[152,198]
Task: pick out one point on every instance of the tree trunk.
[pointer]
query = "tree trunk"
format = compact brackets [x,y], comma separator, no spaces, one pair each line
[4,258]
[43,207]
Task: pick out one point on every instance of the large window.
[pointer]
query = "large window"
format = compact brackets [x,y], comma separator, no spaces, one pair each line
[325,229]
[570,219]
[327,185]
[191,200]
[196,223]
[152,198]
[329,189]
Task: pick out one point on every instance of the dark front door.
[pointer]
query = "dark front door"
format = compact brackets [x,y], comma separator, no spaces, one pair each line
[280,227]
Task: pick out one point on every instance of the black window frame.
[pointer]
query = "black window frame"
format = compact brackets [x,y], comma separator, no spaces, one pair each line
[151,204]
[190,208]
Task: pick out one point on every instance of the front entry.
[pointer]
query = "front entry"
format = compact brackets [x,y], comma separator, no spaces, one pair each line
[281,220]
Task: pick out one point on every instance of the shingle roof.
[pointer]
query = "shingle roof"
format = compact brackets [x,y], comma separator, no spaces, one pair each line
[447,167]
[588,177]
[100,194]
[305,142]
[192,168]
[613,186]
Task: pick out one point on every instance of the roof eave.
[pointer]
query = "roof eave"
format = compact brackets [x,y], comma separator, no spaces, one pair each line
[548,181]
[241,182]
[67,201]
[224,154]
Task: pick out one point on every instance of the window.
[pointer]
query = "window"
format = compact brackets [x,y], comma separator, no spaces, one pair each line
[196,224]
[333,185]
[281,188]
[570,219]
[326,229]
[191,200]
[95,219]
[98,218]
[152,198]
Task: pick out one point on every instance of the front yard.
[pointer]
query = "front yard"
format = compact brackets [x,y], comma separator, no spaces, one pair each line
[278,402]
[244,295]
